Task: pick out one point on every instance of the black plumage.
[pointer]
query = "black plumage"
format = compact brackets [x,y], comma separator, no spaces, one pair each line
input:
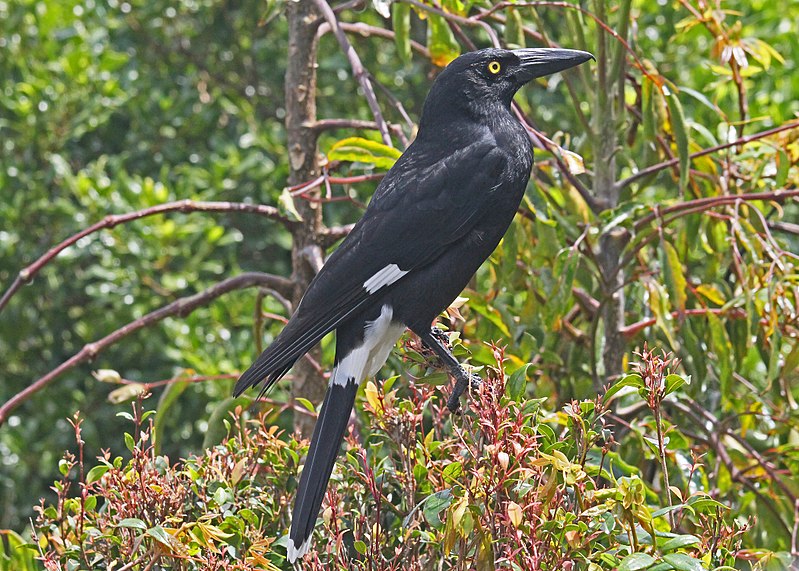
[435,217]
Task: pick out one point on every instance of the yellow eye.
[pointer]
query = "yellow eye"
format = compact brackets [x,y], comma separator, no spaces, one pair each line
[494,67]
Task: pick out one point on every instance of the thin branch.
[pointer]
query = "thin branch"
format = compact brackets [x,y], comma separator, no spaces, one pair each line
[27,274]
[554,4]
[742,141]
[365,30]
[180,307]
[708,202]
[328,124]
[635,328]
[450,17]
[357,68]
[330,236]
[545,143]
[304,187]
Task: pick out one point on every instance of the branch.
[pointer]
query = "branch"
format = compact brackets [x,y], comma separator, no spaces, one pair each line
[708,202]
[742,141]
[330,236]
[632,330]
[357,68]
[27,274]
[327,124]
[555,4]
[365,30]
[180,307]
[450,17]
[543,142]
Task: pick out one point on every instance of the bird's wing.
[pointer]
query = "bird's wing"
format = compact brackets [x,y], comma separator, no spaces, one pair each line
[424,204]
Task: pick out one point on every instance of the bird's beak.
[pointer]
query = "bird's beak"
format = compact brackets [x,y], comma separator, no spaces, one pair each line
[538,62]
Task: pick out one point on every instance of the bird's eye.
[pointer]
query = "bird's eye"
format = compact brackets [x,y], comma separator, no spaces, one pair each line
[494,67]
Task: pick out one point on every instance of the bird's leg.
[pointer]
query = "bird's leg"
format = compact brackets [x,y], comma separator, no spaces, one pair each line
[462,378]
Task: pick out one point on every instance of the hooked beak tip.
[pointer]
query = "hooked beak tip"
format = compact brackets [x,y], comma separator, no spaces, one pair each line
[538,62]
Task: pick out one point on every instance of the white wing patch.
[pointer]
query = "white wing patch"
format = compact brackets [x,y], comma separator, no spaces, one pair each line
[384,277]
[379,337]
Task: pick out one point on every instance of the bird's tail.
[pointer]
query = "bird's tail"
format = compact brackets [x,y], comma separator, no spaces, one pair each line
[325,444]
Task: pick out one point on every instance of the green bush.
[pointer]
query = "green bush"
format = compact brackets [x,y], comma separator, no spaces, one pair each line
[508,484]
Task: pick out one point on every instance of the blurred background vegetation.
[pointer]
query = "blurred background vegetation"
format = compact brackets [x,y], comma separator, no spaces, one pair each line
[109,107]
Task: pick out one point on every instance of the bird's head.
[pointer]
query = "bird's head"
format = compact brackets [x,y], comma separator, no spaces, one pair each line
[486,77]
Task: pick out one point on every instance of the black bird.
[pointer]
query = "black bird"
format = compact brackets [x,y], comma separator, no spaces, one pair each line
[435,217]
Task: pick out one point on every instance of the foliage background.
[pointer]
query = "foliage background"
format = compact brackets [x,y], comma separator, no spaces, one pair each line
[107,107]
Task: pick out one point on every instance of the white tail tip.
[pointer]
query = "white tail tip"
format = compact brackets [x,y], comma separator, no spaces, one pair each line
[295,553]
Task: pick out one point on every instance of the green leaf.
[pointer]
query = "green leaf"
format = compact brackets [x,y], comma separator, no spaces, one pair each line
[132,522]
[434,505]
[679,541]
[514,29]
[401,23]
[360,547]
[680,137]
[360,150]
[712,293]
[517,383]
[452,472]
[674,276]
[441,42]
[705,504]
[683,562]
[722,347]
[305,403]
[129,442]
[161,536]
[783,166]
[96,473]
[285,205]
[674,382]
[216,429]
[636,561]
[165,402]
[632,380]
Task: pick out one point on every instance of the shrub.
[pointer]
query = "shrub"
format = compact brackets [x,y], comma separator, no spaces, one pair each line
[507,484]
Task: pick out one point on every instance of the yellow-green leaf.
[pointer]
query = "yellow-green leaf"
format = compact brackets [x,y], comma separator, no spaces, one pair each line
[441,42]
[360,150]
[401,23]
[674,276]
[712,293]
[680,132]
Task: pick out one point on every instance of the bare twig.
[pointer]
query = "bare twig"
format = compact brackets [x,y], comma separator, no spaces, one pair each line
[454,18]
[366,31]
[327,124]
[330,236]
[708,202]
[180,307]
[357,68]
[554,4]
[545,143]
[741,141]
[27,274]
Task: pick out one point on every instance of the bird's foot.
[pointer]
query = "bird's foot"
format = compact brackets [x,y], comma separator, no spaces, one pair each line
[441,336]
[463,379]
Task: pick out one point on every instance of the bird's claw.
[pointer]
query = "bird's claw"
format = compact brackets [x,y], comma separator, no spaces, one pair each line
[463,380]
[441,336]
